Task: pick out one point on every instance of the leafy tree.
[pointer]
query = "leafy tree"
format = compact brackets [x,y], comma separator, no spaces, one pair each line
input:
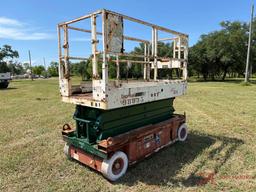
[81,69]
[3,67]
[53,69]
[234,47]
[6,52]
[26,66]
[253,47]
[86,69]
[220,52]
[112,69]
[38,70]
[164,50]
[15,68]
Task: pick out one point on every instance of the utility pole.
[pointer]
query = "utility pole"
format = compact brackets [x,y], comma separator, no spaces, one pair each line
[246,79]
[44,62]
[30,65]
[45,69]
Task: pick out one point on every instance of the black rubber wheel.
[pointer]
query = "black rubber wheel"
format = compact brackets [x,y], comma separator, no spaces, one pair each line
[182,132]
[4,85]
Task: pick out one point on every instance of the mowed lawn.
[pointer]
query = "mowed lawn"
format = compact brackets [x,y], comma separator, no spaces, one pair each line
[220,153]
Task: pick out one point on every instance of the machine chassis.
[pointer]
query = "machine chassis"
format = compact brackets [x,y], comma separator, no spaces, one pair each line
[135,145]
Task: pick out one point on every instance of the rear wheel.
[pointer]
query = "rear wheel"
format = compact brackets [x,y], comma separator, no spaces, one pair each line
[115,167]
[182,132]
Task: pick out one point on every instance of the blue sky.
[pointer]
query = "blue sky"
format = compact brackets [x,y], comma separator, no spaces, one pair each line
[31,25]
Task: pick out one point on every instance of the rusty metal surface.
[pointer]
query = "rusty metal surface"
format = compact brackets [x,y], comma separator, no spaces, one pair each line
[114,33]
[137,144]
[85,158]
[144,141]
[124,16]
[66,130]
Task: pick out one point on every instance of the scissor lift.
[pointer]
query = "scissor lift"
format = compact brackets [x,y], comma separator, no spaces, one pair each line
[119,122]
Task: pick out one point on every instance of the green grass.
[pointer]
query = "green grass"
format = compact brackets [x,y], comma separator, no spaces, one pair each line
[221,118]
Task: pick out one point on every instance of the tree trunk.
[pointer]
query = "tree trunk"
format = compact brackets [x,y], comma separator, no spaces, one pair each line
[205,76]
[212,77]
[224,74]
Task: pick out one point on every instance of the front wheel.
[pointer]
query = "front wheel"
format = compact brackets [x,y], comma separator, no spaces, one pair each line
[115,167]
[183,132]
[4,85]
[67,150]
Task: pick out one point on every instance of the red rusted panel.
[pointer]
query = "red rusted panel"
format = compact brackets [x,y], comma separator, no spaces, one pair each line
[132,147]
[85,158]
[137,144]
[153,138]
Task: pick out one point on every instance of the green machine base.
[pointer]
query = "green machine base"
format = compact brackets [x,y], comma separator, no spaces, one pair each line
[94,125]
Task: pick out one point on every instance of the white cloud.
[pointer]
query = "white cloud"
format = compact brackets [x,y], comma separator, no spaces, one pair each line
[10,22]
[16,30]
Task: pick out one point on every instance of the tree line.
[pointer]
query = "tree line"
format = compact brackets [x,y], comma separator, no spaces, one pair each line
[135,71]
[8,64]
[223,53]
[216,55]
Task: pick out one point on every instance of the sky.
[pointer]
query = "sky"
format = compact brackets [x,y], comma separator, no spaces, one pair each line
[31,24]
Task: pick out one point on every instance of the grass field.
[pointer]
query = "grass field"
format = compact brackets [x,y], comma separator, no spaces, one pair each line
[220,153]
